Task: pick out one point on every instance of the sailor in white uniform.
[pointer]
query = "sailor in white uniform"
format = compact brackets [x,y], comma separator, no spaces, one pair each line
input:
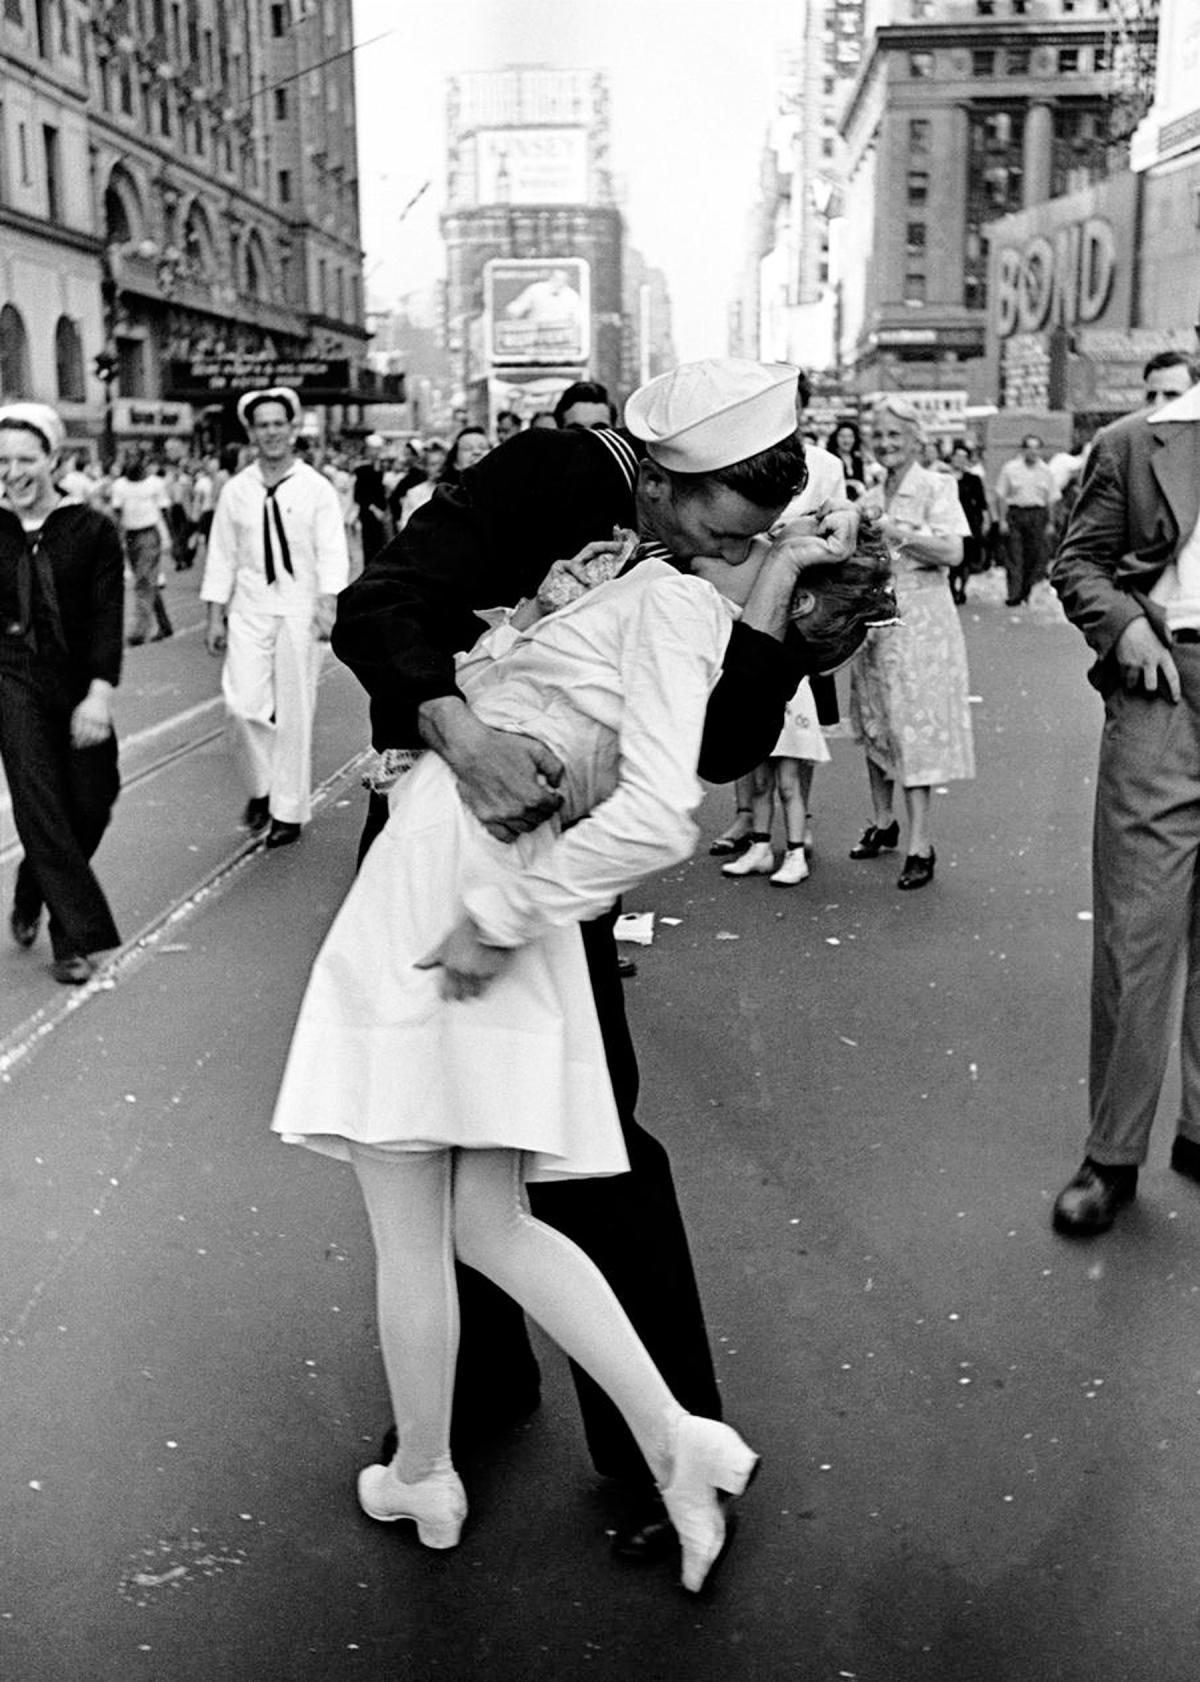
[276,560]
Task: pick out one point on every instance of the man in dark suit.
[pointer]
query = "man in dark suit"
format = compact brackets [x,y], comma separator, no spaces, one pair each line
[1128,573]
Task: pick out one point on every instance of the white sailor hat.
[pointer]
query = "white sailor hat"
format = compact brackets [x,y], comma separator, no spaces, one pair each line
[39,418]
[272,394]
[707,415]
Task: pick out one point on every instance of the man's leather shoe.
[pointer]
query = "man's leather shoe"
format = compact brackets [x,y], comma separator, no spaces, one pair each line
[282,834]
[1185,1157]
[874,841]
[257,814]
[24,930]
[646,1534]
[626,968]
[73,971]
[918,870]
[1091,1201]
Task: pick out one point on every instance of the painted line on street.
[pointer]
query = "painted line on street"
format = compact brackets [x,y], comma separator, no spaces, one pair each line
[25,1039]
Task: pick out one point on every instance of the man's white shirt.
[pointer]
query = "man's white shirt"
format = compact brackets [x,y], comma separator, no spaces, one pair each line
[235,572]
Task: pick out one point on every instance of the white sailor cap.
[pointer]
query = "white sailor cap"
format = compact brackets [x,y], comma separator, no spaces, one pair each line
[36,417]
[707,415]
[272,394]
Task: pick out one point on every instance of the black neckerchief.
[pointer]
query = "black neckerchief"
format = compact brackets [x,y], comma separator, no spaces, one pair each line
[270,506]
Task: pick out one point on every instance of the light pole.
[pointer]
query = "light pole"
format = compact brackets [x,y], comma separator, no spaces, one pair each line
[105,362]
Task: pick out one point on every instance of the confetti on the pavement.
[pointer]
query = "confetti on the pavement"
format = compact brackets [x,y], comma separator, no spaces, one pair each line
[725,934]
[636,926]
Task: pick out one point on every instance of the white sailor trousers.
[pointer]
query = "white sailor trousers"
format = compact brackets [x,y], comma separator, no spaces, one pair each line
[272,664]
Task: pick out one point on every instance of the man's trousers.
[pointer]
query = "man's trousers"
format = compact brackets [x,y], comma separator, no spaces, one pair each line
[272,664]
[1027,550]
[629,1224]
[1146,848]
[62,799]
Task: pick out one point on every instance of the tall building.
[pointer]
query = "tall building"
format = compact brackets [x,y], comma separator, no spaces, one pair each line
[1166,153]
[534,238]
[179,193]
[787,303]
[964,111]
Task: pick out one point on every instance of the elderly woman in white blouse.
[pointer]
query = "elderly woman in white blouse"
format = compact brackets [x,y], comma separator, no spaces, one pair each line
[908,691]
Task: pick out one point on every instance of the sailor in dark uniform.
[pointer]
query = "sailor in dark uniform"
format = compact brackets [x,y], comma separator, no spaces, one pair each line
[61,635]
[539,498]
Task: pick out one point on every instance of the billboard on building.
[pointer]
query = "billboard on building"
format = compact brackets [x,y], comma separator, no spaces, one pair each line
[531,166]
[537,310]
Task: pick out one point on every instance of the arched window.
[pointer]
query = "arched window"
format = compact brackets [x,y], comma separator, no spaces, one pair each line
[14,354]
[199,256]
[123,220]
[68,360]
[256,275]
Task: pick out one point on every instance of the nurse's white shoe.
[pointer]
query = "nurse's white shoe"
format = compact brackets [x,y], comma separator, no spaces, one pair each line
[793,868]
[708,1460]
[437,1504]
[757,860]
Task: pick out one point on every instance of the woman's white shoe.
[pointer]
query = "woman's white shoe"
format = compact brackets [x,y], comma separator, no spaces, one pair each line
[757,860]
[793,868]
[708,1460]
[438,1503]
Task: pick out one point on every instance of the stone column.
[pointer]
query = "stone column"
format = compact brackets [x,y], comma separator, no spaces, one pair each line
[1038,154]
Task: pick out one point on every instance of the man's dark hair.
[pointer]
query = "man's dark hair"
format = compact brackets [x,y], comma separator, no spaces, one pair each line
[769,479]
[508,415]
[1170,359]
[1031,438]
[583,391]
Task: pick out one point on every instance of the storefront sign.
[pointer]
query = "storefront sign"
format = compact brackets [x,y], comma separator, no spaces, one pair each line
[217,376]
[537,311]
[146,417]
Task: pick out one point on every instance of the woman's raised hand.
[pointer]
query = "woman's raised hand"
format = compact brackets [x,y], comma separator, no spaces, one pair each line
[468,966]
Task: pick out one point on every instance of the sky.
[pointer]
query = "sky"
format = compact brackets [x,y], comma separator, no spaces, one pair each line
[691,101]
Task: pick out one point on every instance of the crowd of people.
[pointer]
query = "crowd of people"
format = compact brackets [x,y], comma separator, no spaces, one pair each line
[664,602]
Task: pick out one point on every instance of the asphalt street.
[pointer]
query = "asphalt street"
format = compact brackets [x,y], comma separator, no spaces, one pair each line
[981,1442]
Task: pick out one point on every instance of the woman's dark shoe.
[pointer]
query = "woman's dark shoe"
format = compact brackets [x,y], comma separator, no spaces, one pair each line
[24,930]
[731,843]
[874,841]
[918,870]
[1090,1202]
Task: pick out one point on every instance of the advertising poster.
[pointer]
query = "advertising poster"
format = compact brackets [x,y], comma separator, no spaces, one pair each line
[537,310]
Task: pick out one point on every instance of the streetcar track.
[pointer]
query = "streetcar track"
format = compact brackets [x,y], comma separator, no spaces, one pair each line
[23,1040]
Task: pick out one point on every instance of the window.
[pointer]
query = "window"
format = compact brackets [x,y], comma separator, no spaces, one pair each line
[985,8]
[983,61]
[23,154]
[1099,59]
[1016,61]
[920,66]
[285,186]
[1068,61]
[53,173]
[278,21]
[164,114]
[42,28]
[14,354]
[1020,7]
[281,104]
[68,361]
[914,287]
[125,85]
[914,242]
[918,186]
[827,148]
[918,134]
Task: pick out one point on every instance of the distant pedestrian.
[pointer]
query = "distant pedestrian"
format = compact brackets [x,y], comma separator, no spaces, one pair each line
[972,496]
[61,624]
[845,442]
[140,504]
[584,404]
[908,685]
[508,424]
[1128,574]
[420,493]
[1167,376]
[277,559]
[370,496]
[469,448]
[1026,495]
